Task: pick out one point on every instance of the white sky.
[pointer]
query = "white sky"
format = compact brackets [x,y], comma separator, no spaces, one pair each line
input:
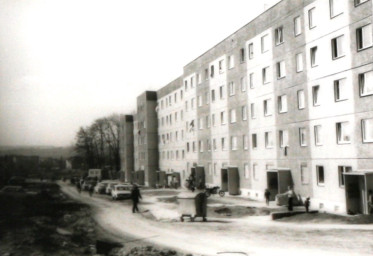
[65,63]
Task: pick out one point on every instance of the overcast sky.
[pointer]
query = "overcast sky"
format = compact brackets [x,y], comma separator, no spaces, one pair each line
[65,63]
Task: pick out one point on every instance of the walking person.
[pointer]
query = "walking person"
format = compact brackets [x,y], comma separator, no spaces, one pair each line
[135,196]
[267,195]
[307,204]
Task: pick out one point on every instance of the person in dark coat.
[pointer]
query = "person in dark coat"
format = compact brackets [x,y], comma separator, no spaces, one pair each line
[135,196]
[290,195]
[267,195]
[307,204]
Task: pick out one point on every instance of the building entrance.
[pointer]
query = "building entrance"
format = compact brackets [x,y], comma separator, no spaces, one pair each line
[278,181]
[357,185]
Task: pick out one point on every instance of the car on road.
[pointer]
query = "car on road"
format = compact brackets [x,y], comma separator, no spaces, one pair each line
[121,191]
[100,188]
[110,186]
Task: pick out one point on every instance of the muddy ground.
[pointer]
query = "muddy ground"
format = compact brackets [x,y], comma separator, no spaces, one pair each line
[49,223]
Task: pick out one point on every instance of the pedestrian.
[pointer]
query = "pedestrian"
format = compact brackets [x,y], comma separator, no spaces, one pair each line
[90,190]
[370,201]
[267,195]
[290,194]
[135,196]
[307,204]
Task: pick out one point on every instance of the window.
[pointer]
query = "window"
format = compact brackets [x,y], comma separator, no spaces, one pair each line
[358,2]
[208,145]
[311,18]
[221,91]
[343,133]
[247,171]
[245,142]
[200,145]
[367,130]
[213,120]
[244,112]
[313,52]
[221,66]
[320,175]
[234,142]
[299,62]
[181,94]
[337,47]
[223,144]
[265,43]
[254,142]
[222,117]
[251,77]
[212,69]
[242,55]
[318,137]
[187,146]
[340,89]
[206,74]
[335,8]
[281,71]
[200,101]
[251,50]
[284,138]
[230,62]
[232,89]
[265,75]
[233,115]
[215,169]
[364,37]
[181,115]
[315,95]
[279,35]
[243,84]
[191,82]
[341,171]
[212,95]
[267,107]
[199,78]
[194,146]
[200,123]
[252,110]
[214,146]
[192,103]
[208,122]
[268,139]
[207,97]
[282,104]
[304,175]
[297,26]
[255,171]
[302,137]
[301,99]
[366,83]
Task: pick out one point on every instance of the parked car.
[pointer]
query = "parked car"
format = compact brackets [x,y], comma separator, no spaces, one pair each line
[100,188]
[121,191]
[88,183]
[110,186]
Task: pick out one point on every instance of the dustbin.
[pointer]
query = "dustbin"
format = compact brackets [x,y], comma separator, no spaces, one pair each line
[192,205]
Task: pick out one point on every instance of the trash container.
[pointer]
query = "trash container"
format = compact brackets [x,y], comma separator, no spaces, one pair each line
[192,205]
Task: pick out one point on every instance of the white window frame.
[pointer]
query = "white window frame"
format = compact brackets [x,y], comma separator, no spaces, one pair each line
[265,43]
[245,142]
[299,62]
[246,170]
[281,69]
[282,104]
[318,172]
[338,50]
[268,139]
[335,8]
[223,144]
[221,66]
[367,124]
[251,79]
[244,113]
[313,56]
[359,2]
[301,99]
[318,135]
[303,137]
[251,50]
[340,89]
[316,95]
[243,83]
[265,75]
[364,37]
[311,18]
[232,88]
[230,61]
[242,55]
[297,26]
[234,144]
[279,35]
[233,115]
[344,132]
[267,110]
[366,80]
[284,138]
[222,118]
[200,101]
[254,141]
[253,110]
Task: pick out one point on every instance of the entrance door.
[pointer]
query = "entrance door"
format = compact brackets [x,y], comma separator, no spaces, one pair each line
[355,193]
[200,177]
[284,181]
[224,179]
[272,184]
[233,181]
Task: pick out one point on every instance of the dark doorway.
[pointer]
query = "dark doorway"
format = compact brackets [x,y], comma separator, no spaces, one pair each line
[233,181]
[272,184]
[224,179]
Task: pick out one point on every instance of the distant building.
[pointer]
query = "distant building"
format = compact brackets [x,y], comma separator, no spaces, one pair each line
[126,148]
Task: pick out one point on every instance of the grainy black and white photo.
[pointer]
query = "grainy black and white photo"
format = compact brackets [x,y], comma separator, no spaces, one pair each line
[186,128]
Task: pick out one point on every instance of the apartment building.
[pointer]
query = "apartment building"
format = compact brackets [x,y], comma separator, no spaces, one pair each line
[145,133]
[126,148]
[287,100]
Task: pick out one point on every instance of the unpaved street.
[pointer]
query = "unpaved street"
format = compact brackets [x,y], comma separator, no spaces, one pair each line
[252,235]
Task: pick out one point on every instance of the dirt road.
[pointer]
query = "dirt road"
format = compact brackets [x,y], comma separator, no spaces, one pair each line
[252,235]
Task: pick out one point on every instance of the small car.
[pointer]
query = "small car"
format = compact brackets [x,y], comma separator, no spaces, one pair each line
[110,186]
[100,188]
[121,192]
